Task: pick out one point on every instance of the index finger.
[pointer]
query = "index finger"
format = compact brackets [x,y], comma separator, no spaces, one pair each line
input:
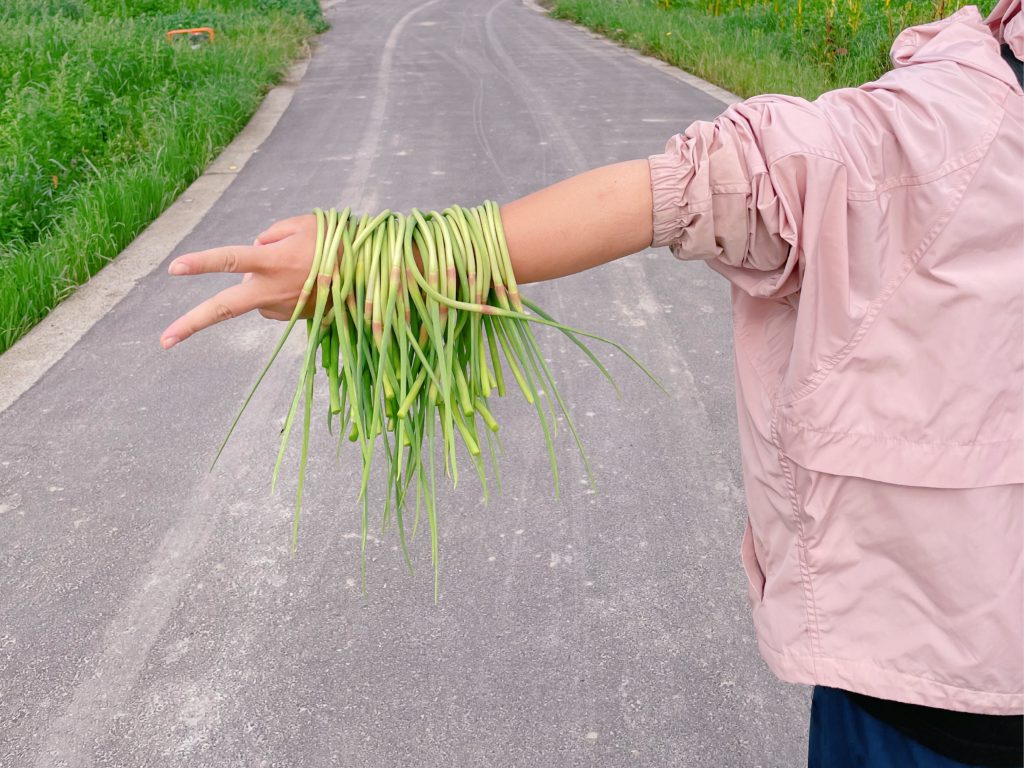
[229,303]
[227,258]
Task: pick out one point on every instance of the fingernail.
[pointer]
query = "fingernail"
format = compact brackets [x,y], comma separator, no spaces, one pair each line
[179,268]
[169,341]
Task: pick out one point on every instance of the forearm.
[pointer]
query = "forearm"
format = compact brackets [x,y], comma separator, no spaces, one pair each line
[576,224]
[579,223]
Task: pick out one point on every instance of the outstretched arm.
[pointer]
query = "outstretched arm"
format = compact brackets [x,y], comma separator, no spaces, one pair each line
[576,224]
[579,223]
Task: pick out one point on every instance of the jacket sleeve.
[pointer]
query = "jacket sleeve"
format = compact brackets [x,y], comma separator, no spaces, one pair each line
[735,191]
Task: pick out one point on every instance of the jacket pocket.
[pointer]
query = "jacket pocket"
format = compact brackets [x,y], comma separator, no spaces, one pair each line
[751,565]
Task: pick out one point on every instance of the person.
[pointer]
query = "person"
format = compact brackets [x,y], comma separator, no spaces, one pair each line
[873,239]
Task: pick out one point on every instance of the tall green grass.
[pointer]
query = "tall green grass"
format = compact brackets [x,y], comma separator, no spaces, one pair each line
[798,47]
[105,122]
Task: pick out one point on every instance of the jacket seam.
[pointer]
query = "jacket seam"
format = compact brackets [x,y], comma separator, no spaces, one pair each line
[814,380]
[826,154]
[973,155]
[892,439]
[810,605]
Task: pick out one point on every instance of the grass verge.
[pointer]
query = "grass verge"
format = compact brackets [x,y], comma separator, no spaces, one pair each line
[797,47]
[107,122]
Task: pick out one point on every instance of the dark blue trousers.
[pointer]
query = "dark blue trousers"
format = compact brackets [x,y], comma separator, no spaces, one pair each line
[845,736]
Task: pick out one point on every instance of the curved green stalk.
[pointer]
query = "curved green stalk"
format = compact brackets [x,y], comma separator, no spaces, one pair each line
[406,348]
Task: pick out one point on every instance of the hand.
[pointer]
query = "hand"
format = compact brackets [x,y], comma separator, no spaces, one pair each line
[275,267]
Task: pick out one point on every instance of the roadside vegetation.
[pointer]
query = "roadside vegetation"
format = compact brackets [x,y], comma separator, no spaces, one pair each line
[797,47]
[104,122]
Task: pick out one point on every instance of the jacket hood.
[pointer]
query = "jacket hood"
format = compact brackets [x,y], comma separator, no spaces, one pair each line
[1007,25]
[966,39]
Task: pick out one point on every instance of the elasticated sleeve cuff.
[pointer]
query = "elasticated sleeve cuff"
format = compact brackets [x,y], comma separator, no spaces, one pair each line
[737,191]
[680,187]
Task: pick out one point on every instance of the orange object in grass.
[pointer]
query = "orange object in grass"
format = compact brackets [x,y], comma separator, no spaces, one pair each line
[194,31]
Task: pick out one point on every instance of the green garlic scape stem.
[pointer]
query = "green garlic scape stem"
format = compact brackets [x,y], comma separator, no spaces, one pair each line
[412,315]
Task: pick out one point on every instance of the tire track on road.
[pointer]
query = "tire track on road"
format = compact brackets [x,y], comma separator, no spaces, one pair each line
[70,740]
[460,63]
[355,185]
[545,118]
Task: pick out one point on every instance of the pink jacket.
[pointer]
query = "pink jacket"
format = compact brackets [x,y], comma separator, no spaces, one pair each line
[874,240]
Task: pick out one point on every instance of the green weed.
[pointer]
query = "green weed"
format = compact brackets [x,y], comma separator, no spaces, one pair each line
[798,47]
[106,122]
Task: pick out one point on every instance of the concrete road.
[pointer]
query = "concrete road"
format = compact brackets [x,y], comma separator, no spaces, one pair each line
[150,611]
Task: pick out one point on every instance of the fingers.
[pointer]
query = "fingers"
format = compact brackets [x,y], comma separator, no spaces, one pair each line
[229,258]
[273,270]
[229,303]
[280,230]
